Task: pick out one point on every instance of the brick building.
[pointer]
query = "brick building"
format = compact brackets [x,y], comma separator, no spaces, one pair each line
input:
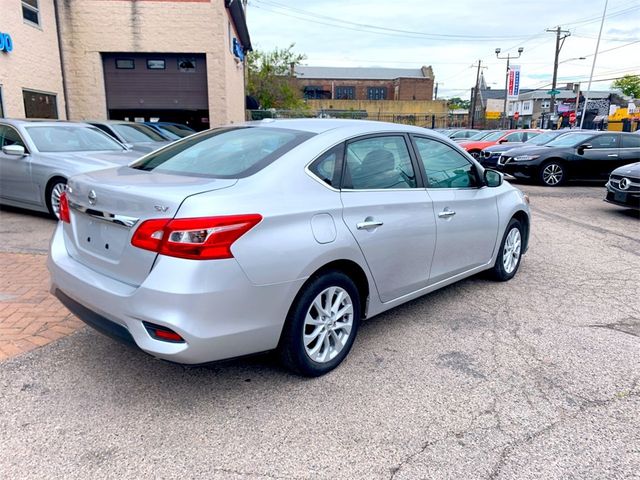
[171,60]
[336,83]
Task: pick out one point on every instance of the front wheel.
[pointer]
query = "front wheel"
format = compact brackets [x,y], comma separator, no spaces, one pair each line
[321,326]
[510,253]
[54,190]
[552,174]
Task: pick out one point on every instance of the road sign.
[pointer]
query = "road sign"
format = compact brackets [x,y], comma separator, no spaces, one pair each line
[493,115]
[553,92]
[516,116]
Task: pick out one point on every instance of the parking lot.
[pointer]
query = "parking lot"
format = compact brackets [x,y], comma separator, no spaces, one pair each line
[534,378]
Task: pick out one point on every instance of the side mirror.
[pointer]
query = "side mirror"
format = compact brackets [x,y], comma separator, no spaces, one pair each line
[583,147]
[493,178]
[504,140]
[13,150]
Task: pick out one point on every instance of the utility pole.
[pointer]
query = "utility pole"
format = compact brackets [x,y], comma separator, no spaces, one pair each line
[435,95]
[474,98]
[506,82]
[561,36]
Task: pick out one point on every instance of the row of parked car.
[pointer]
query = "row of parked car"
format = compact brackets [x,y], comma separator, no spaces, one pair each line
[60,149]
[554,157]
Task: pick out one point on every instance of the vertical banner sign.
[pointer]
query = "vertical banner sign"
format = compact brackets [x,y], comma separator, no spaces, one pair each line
[514,82]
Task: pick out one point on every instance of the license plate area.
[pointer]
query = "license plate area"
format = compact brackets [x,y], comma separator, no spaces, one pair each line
[100,238]
[620,197]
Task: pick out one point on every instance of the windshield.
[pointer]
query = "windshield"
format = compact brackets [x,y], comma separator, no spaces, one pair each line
[224,153]
[133,133]
[492,137]
[177,132]
[479,135]
[542,138]
[62,138]
[570,140]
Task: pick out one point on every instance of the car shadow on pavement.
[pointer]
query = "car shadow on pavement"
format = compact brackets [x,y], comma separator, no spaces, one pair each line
[24,211]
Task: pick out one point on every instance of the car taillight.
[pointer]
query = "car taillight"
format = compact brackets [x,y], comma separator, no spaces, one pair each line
[205,238]
[64,208]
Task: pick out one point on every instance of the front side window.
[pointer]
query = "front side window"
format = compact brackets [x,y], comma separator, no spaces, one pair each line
[378,163]
[9,136]
[570,140]
[445,167]
[62,138]
[515,137]
[31,11]
[133,133]
[493,137]
[605,141]
[224,152]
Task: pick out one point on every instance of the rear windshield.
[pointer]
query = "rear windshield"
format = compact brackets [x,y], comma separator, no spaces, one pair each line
[224,153]
[62,138]
[133,133]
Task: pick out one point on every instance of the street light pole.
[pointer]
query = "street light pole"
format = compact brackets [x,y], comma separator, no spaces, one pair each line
[559,43]
[506,81]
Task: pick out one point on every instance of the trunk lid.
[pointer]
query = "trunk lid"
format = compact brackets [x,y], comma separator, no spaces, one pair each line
[106,208]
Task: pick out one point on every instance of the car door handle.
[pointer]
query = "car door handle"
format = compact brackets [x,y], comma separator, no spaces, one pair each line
[446,213]
[367,224]
[612,155]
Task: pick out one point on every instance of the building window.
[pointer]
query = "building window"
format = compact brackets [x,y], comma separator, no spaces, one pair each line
[545,104]
[345,93]
[31,11]
[155,64]
[313,92]
[187,65]
[39,105]
[376,93]
[125,64]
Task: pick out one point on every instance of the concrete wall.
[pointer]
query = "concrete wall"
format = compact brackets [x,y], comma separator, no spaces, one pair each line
[34,63]
[374,107]
[89,27]
[398,89]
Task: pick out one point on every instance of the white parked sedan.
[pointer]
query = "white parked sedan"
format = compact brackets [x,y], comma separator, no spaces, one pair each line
[279,235]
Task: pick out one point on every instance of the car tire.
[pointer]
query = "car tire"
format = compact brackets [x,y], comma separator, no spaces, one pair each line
[316,340]
[552,174]
[55,187]
[510,253]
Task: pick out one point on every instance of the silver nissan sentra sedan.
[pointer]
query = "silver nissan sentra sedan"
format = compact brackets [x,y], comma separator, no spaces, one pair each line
[279,235]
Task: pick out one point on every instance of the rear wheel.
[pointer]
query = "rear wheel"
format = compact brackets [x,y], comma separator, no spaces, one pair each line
[321,326]
[552,174]
[510,253]
[54,190]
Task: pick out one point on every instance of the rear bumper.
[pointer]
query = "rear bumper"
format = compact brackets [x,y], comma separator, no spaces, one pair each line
[211,304]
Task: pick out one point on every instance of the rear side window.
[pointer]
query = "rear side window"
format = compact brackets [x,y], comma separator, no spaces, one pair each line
[378,163]
[224,152]
[630,141]
[515,137]
[605,141]
[327,168]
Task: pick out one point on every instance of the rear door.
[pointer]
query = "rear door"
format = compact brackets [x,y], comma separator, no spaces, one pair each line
[387,212]
[601,159]
[466,212]
[629,148]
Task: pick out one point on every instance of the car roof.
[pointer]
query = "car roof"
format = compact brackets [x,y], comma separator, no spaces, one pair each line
[24,122]
[321,125]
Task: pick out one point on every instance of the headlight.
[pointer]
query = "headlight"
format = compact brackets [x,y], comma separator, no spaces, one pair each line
[525,158]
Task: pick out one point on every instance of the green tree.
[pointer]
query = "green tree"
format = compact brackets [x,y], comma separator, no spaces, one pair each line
[456,103]
[629,84]
[269,78]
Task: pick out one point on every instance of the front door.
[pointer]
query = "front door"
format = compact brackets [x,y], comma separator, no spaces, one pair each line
[466,212]
[596,161]
[389,216]
[15,172]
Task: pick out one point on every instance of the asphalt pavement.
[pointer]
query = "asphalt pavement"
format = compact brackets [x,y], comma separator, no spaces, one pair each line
[538,377]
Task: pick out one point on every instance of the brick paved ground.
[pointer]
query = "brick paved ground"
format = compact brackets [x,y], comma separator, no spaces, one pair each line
[29,316]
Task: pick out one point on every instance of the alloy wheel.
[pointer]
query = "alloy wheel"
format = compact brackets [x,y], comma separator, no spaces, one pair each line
[328,324]
[56,191]
[511,250]
[552,174]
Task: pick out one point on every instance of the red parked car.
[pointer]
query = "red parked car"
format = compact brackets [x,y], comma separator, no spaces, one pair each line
[474,147]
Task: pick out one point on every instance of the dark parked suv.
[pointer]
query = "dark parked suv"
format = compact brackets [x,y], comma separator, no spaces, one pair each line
[575,156]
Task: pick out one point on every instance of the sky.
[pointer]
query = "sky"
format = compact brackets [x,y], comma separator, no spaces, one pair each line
[452,35]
